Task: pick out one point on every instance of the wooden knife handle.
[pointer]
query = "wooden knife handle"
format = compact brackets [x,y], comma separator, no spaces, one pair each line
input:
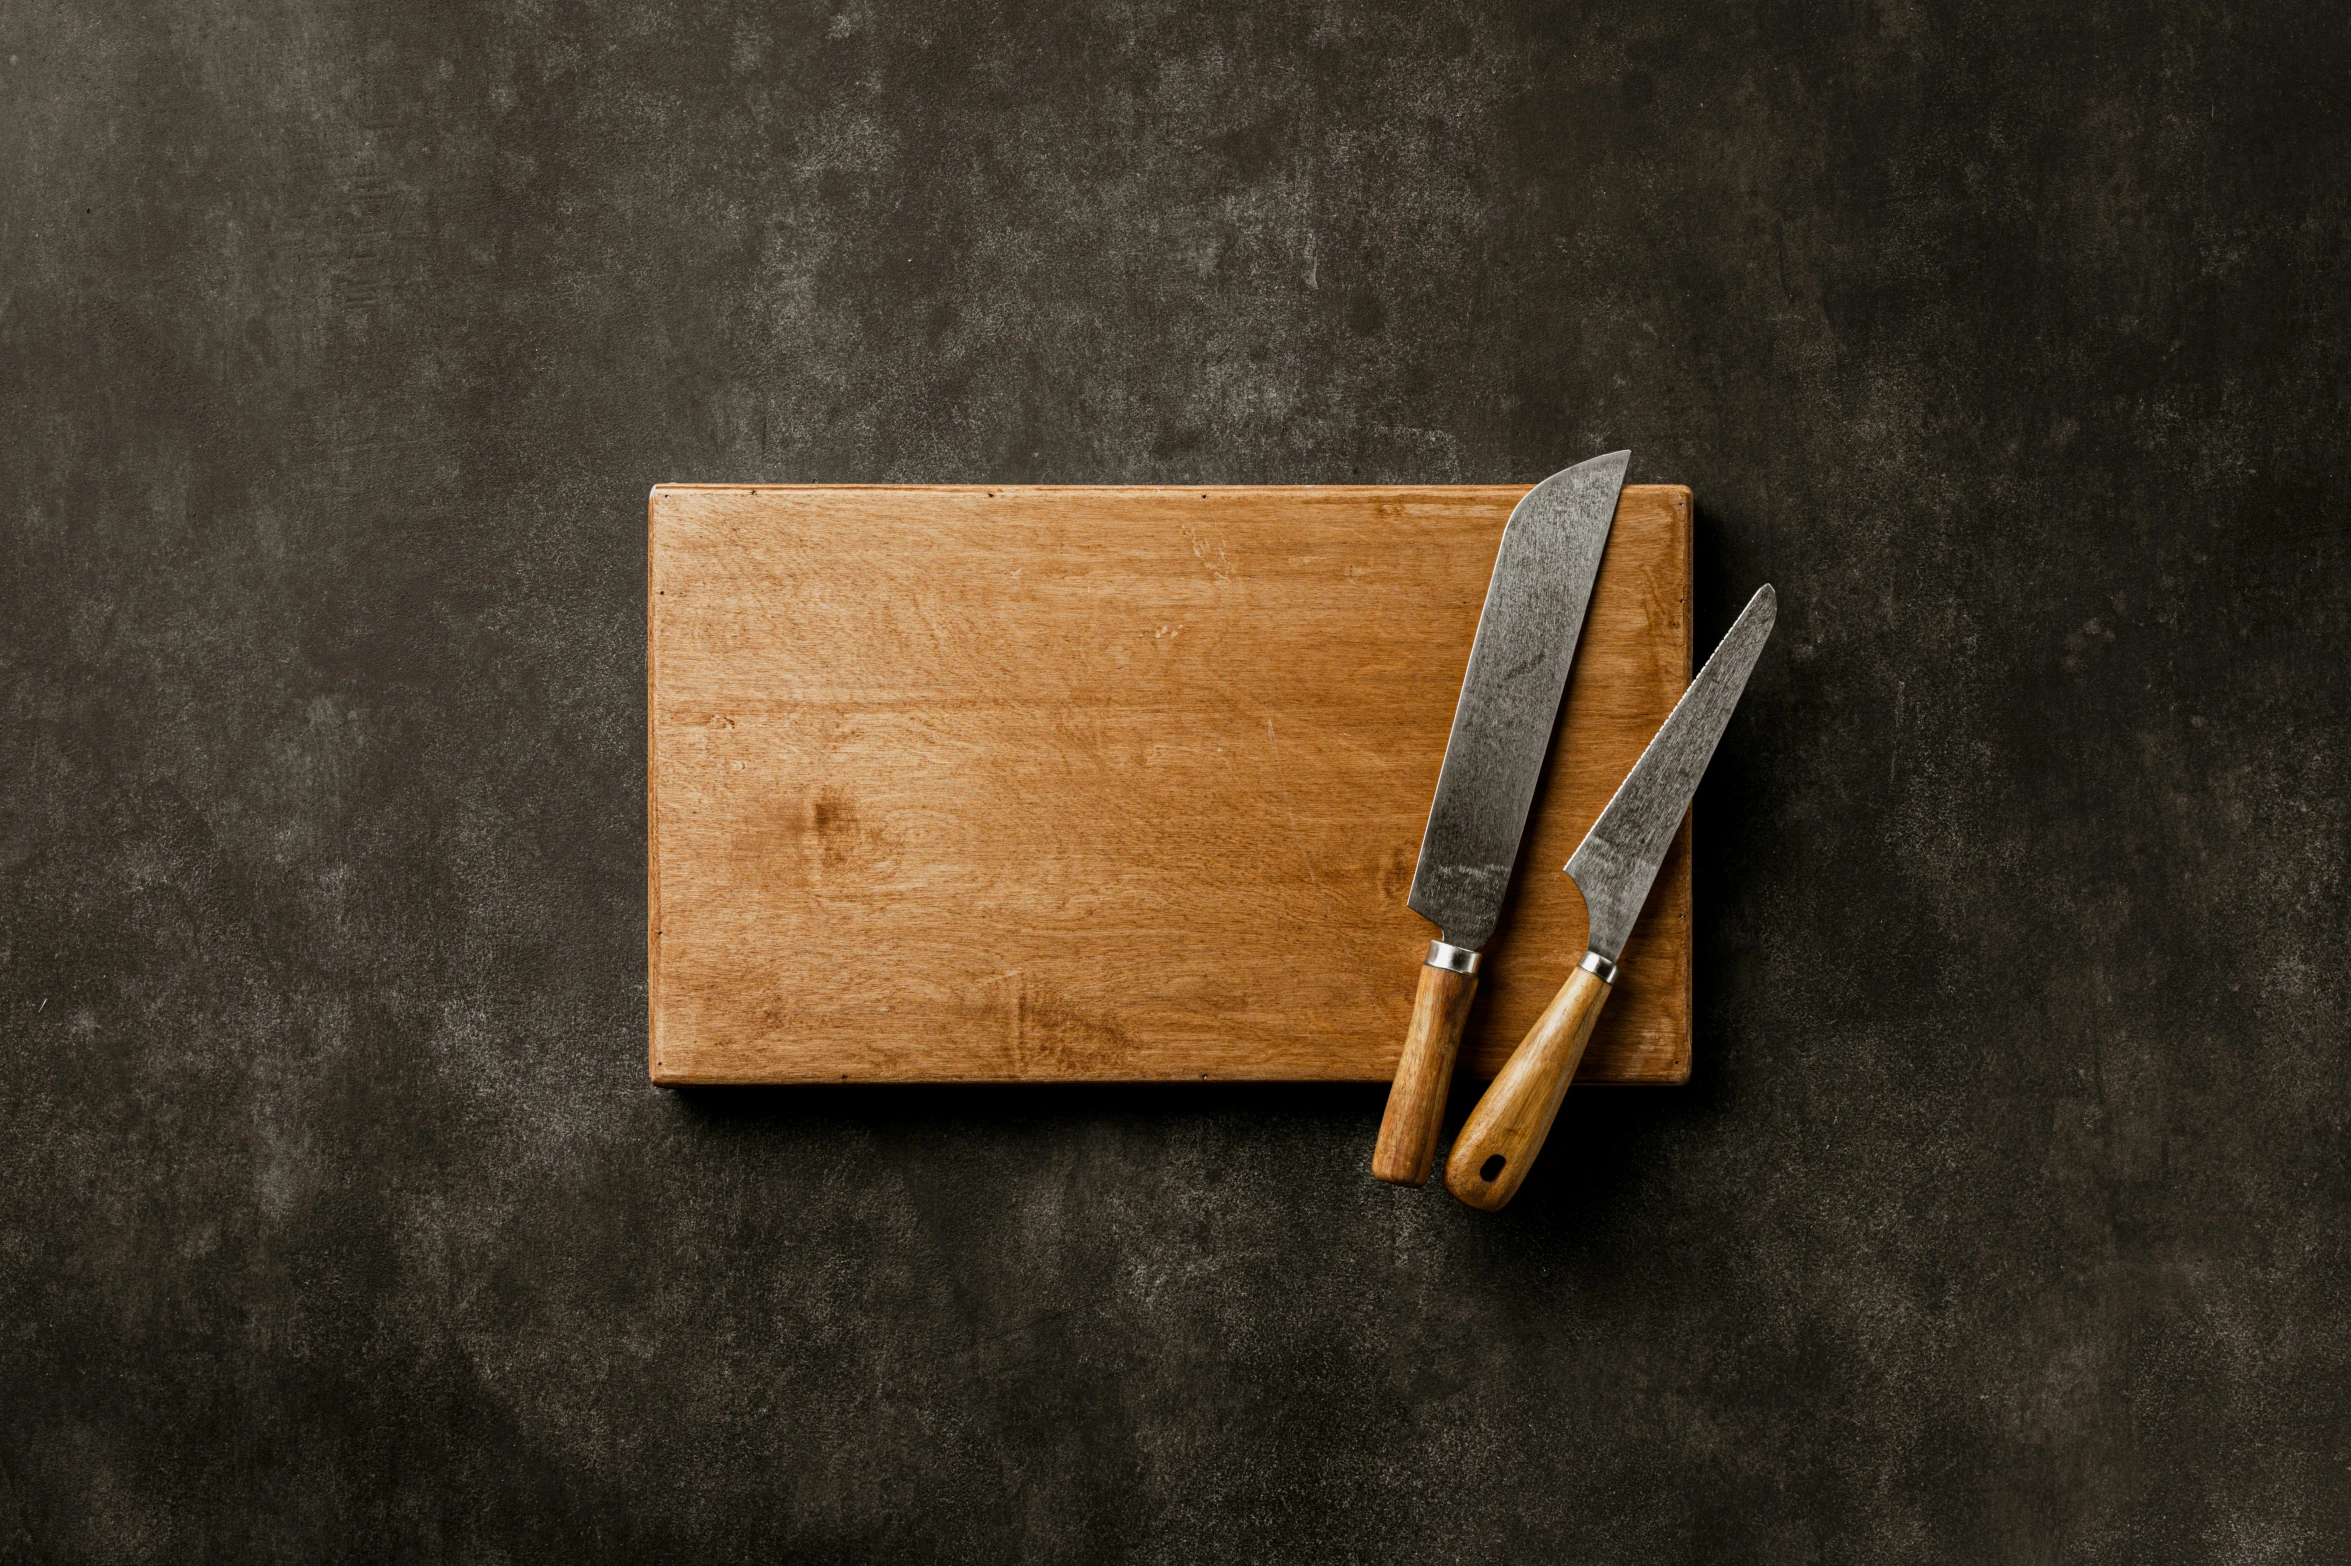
[1505,1131]
[1416,1103]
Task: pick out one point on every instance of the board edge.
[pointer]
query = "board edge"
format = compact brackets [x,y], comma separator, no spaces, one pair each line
[653,1066]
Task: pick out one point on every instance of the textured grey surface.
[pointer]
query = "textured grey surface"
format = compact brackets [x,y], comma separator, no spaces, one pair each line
[2005,1218]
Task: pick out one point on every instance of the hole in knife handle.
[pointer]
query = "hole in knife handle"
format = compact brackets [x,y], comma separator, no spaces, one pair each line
[1491,1169]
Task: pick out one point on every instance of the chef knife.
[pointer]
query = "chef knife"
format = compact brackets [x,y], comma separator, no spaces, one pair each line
[1502,726]
[1613,869]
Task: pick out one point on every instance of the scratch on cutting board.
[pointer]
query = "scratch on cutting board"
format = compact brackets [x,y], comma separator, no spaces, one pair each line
[1297,834]
[1339,926]
[1209,552]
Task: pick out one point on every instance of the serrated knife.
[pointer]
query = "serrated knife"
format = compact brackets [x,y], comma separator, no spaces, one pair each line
[1613,869]
[1526,638]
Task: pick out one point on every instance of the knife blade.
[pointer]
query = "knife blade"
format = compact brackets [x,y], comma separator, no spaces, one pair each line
[1502,722]
[1613,867]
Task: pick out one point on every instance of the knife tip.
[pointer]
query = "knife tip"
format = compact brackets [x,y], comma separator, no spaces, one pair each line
[1606,460]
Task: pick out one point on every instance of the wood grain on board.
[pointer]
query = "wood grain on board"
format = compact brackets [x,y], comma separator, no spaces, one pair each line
[983,784]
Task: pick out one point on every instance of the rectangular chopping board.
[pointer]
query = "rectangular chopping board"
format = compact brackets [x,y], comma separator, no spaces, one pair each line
[1019,784]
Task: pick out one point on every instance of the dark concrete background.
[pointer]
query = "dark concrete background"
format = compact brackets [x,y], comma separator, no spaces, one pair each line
[2005,1218]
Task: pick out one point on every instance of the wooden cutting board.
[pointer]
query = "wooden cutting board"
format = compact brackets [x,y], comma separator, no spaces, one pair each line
[1044,784]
